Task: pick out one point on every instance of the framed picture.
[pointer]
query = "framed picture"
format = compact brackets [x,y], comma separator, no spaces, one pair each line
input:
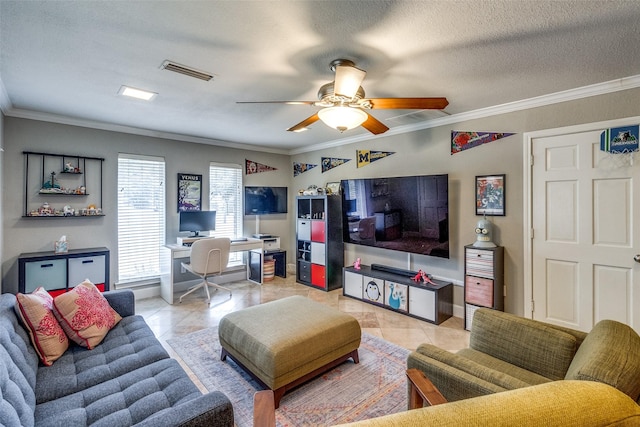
[333,187]
[189,192]
[490,190]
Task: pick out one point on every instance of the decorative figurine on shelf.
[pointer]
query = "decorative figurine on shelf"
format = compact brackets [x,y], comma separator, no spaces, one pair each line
[45,210]
[484,230]
[68,211]
[422,277]
[356,264]
[68,167]
[51,183]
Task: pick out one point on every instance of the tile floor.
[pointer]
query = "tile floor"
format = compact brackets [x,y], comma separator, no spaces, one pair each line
[192,314]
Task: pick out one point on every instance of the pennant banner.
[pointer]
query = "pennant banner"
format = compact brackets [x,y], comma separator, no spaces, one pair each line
[366,157]
[255,167]
[329,163]
[620,140]
[299,168]
[463,140]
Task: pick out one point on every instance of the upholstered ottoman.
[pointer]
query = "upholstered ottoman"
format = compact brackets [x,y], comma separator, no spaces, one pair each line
[286,342]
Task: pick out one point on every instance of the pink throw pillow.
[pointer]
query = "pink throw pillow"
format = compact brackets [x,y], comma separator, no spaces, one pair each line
[85,314]
[47,337]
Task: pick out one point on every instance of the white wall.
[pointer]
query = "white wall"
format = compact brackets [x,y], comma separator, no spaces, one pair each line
[428,152]
[36,234]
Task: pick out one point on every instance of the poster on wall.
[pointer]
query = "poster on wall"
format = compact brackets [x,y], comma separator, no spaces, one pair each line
[254,167]
[490,193]
[189,192]
[299,168]
[366,157]
[620,140]
[329,163]
[463,140]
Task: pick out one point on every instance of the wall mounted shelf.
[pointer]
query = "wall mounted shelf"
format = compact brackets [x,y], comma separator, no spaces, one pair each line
[45,174]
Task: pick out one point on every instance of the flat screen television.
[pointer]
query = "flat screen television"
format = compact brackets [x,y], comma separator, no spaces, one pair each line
[265,200]
[408,214]
[197,221]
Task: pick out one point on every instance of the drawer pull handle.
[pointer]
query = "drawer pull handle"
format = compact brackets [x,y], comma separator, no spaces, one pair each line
[46,265]
[87,261]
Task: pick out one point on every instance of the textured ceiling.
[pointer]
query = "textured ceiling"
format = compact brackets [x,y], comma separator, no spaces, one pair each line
[66,60]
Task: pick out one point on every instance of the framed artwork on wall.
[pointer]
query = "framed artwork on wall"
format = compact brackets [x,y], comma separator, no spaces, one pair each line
[189,192]
[490,195]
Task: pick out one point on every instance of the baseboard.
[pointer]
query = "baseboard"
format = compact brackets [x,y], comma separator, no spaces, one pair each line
[458,311]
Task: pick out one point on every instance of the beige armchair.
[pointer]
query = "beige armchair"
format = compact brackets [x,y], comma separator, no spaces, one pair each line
[508,352]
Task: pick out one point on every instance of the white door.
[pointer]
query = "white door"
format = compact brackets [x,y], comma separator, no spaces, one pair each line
[585,215]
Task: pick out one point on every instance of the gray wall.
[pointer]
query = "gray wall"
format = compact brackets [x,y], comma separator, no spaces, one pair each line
[36,234]
[428,152]
[417,153]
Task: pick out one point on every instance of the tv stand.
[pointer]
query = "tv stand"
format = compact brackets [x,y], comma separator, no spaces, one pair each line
[395,290]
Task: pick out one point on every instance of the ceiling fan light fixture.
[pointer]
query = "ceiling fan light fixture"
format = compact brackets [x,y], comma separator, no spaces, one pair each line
[348,80]
[342,118]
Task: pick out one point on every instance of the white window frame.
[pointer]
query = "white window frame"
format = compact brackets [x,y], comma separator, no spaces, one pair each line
[141,217]
[228,223]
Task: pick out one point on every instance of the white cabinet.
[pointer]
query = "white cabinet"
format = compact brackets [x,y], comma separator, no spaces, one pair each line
[353,284]
[90,267]
[422,303]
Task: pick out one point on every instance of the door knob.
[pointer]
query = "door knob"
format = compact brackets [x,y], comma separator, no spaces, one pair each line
[636,258]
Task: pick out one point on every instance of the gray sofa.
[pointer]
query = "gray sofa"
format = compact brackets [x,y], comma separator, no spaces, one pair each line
[128,379]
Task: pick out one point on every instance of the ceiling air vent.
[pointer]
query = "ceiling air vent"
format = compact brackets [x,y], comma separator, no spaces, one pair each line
[187,71]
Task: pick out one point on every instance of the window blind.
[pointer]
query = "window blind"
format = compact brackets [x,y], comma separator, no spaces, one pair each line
[141,216]
[225,197]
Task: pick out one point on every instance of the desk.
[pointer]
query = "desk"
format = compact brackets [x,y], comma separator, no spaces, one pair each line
[172,255]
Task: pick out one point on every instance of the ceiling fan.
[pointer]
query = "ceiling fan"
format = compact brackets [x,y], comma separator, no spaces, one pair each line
[344,103]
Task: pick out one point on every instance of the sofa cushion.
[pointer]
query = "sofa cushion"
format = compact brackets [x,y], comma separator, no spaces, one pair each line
[85,315]
[528,344]
[18,366]
[610,354]
[123,400]
[47,337]
[130,345]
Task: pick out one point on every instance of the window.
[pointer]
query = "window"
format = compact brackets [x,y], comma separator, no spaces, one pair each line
[141,217]
[225,197]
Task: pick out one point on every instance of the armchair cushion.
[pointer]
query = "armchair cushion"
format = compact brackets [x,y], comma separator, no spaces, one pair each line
[528,344]
[610,354]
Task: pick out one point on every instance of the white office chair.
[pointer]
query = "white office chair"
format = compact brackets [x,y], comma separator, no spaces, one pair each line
[208,257]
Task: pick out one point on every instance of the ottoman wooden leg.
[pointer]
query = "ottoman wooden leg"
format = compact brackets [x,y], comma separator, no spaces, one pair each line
[223,355]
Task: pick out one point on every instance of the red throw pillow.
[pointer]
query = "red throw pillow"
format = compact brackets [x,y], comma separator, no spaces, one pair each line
[47,337]
[85,314]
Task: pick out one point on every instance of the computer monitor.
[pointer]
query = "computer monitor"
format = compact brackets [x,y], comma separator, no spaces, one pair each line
[197,221]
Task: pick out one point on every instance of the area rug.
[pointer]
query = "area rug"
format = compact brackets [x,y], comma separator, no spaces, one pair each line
[350,392]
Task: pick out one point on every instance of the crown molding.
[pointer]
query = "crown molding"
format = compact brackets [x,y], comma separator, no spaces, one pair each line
[625,83]
[5,102]
[65,120]
[525,104]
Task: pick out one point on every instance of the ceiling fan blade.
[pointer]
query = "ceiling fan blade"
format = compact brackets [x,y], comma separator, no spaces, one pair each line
[374,125]
[278,102]
[409,103]
[305,123]
[348,80]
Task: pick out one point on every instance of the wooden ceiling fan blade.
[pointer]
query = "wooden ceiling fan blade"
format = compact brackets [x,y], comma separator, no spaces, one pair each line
[305,123]
[374,125]
[409,103]
[348,80]
[278,102]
